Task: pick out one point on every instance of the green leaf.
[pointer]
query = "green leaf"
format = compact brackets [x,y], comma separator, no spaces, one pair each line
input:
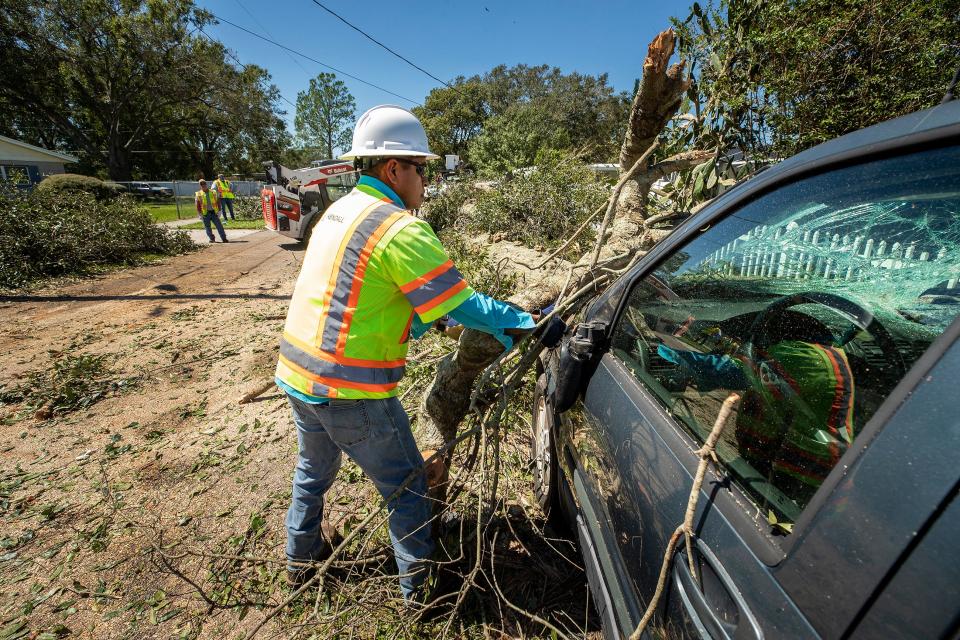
[715,62]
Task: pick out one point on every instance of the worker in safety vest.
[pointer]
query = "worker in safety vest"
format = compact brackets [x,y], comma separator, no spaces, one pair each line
[207,203]
[225,190]
[373,276]
[797,414]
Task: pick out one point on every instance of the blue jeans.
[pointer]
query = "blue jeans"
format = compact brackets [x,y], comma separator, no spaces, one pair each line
[376,435]
[224,204]
[211,216]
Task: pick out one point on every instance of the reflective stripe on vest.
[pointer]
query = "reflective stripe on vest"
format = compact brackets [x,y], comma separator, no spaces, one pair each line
[226,189]
[326,365]
[428,291]
[343,290]
[208,200]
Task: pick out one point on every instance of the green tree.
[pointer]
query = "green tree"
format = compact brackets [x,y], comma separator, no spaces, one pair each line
[778,76]
[521,110]
[325,114]
[237,126]
[453,116]
[514,139]
[125,84]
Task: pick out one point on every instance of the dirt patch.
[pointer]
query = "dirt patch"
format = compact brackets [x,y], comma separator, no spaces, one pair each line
[156,509]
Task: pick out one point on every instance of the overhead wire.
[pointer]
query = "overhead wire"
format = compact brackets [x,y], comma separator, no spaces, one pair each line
[267,31]
[237,60]
[314,60]
[378,43]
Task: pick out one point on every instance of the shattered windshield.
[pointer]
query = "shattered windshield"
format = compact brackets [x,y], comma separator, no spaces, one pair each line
[811,302]
[886,233]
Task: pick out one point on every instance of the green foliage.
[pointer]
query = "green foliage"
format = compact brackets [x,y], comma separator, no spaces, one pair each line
[537,206]
[444,210]
[325,114]
[61,232]
[72,382]
[516,109]
[513,139]
[452,116]
[248,208]
[775,77]
[72,182]
[129,76]
[542,206]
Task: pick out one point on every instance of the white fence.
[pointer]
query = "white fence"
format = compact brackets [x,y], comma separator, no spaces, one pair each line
[792,253]
[182,188]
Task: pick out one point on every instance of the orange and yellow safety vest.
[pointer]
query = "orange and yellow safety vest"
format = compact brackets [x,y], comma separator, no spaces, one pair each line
[224,188]
[207,200]
[369,267]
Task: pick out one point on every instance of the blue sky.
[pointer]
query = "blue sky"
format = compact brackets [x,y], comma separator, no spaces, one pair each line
[446,37]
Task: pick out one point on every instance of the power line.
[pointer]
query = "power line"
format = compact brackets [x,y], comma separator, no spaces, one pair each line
[374,40]
[265,30]
[322,64]
[237,60]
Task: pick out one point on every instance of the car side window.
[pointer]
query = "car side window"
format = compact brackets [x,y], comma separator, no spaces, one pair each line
[811,302]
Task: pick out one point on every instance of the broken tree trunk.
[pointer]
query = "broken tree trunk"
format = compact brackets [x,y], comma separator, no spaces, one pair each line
[447,400]
[656,101]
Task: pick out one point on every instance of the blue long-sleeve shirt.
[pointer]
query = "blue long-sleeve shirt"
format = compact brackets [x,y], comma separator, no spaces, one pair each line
[483,313]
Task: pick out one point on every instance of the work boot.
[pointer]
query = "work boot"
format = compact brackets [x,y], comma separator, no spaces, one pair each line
[297,576]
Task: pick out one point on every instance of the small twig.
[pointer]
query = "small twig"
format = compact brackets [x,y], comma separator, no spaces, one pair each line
[532,616]
[251,395]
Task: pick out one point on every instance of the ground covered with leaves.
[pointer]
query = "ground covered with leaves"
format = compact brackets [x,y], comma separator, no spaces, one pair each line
[140,499]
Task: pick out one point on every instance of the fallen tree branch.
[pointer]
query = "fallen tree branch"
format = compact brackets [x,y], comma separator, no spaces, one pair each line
[707,454]
[614,199]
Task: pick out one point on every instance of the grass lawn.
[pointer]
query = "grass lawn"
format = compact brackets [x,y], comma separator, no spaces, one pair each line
[167,211]
[233,224]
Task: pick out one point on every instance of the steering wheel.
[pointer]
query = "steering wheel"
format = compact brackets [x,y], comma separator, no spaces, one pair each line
[860,317]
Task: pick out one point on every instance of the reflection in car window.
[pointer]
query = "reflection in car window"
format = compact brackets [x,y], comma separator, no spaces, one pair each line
[811,302]
[340,185]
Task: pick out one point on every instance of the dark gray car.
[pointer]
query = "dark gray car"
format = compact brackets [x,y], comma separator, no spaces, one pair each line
[824,293]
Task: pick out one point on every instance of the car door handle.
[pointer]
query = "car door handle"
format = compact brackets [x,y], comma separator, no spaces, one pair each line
[714,604]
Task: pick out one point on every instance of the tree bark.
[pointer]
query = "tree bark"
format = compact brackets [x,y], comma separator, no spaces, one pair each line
[657,100]
[118,157]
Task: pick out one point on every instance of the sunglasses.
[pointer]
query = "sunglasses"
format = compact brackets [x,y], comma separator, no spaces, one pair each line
[421,169]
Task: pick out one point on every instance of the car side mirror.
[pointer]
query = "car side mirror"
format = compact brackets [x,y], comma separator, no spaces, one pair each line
[576,355]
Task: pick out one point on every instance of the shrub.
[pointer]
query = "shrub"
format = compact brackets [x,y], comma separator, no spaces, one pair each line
[541,206]
[73,182]
[248,208]
[446,208]
[52,232]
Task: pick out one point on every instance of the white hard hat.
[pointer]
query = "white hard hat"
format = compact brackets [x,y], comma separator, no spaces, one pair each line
[389,131]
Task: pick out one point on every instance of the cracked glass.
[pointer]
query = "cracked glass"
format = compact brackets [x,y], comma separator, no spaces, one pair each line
[811,303]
